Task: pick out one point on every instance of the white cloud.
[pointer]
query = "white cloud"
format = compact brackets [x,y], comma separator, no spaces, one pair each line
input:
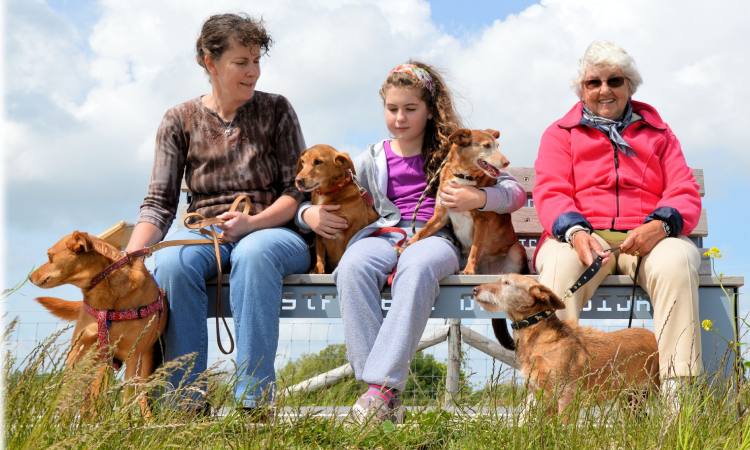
[82,110]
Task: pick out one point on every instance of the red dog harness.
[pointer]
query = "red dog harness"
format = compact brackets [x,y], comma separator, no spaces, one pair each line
[105,317]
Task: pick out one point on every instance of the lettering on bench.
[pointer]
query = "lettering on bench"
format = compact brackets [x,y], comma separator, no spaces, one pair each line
[607,305]
[467,302]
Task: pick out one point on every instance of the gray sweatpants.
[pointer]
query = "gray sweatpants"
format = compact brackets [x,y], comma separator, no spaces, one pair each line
[378,349]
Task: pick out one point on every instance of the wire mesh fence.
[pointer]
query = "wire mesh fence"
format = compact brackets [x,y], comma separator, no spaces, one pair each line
[309,347]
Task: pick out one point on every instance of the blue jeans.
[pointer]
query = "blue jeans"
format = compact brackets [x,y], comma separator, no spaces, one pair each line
[259,262]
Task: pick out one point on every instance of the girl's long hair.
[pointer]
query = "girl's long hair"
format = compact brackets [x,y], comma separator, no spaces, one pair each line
[444,119]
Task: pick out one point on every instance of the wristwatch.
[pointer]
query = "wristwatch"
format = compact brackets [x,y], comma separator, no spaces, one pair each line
[667,229]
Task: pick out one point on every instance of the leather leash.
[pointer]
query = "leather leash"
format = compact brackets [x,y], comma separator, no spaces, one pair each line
[592,270]
[193,221]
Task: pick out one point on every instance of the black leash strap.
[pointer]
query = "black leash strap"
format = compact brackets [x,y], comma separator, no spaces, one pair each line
[592,270]
[632,294]
[586,276]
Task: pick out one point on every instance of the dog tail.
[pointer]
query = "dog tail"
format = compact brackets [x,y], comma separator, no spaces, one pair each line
[64,309]
[500,328]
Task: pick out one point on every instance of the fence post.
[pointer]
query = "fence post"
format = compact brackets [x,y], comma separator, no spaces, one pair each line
[454,363]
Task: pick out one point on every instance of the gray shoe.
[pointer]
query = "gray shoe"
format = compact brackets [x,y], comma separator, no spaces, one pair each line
[372,409]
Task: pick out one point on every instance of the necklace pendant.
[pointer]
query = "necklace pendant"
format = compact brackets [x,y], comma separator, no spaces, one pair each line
[227,131]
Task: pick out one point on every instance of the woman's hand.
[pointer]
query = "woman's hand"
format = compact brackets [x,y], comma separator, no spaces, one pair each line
[642,240]
[460,198]
[323,221]
[236,225]
[587,248]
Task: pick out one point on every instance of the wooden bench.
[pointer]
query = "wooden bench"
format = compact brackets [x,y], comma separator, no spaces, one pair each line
[314,297]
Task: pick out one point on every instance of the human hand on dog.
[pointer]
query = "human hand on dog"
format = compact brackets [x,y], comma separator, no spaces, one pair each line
[460,198]
[235,225]
[323,221]
[588,248]
[641,240]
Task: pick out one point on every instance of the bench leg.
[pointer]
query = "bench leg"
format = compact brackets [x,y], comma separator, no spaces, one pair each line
[454,363]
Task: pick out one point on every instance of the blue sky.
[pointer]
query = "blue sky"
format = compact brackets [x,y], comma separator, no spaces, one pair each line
[87,82]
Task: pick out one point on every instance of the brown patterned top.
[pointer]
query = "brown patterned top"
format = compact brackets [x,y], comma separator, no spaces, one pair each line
[255,154]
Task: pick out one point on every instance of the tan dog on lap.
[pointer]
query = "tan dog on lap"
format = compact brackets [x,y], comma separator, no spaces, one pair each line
[486,237]
[557,355]
[329,175]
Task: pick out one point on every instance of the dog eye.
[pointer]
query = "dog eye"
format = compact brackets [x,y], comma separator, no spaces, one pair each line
[506,282]
[486,145]
[317,162]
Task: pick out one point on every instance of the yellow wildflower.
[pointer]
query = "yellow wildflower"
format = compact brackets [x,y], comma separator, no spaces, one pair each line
[707,324]
[712,252]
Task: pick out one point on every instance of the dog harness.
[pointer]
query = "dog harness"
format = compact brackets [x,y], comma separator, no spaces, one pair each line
[105,317]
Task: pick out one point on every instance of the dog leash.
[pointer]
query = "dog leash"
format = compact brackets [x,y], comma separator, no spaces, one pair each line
[427,189]
[593,269]
[397,247]
[193,221]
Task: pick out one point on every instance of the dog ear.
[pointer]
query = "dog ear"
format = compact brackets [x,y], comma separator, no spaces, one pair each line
[495,134]
[105,249]
[343,160]
[545,294]
[460,137]
[299,161]
[78,242]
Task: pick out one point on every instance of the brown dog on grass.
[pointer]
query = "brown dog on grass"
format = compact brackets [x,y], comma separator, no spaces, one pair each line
[76,259]
[329,175]
[474,159]
[554,354]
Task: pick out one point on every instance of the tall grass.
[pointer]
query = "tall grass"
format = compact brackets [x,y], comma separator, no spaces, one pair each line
[44,403]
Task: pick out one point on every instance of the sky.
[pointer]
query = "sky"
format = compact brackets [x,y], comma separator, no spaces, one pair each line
[86,84]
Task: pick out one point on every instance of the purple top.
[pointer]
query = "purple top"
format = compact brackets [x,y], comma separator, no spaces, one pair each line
[406,182]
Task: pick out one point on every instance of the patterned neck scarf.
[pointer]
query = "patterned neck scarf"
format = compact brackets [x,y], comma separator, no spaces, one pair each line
[611,128]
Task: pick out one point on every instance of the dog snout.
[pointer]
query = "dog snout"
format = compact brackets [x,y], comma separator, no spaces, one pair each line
[504,162]
[475,291]
[300,183]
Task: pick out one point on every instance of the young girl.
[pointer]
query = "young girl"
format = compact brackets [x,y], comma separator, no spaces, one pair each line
[420,115]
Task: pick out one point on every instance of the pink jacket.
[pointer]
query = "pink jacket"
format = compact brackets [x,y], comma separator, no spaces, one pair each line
[578,173]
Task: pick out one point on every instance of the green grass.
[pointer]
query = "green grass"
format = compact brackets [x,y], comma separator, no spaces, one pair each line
[43,403]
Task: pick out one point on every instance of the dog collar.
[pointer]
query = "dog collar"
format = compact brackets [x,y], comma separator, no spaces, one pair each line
[463,176]
[125,260]
[531,320]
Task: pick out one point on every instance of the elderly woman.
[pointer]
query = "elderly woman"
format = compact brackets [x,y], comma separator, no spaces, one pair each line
[232,141]
[611,173]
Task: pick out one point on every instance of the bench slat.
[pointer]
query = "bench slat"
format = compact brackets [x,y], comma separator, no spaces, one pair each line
[464,280]
[526,223]
[527,178]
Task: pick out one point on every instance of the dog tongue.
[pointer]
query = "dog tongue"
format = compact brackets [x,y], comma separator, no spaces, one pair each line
[489,168]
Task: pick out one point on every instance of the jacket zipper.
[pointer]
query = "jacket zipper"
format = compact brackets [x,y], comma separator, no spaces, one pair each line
[617,186]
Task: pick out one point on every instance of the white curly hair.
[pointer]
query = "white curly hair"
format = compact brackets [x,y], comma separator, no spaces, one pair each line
[608,54]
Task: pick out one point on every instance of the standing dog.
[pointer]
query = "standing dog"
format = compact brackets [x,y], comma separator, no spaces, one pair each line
[474,159]
[77,259]
[559,355]
[329,175]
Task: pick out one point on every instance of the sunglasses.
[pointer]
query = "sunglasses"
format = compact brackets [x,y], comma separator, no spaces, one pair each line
[596,83]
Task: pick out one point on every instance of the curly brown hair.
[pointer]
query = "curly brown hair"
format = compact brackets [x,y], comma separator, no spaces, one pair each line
[444,119]
[218,30]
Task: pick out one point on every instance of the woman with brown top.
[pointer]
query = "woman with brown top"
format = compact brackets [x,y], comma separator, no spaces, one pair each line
[234,140]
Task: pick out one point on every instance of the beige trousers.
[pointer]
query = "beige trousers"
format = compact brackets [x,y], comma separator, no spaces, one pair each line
[669,274]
